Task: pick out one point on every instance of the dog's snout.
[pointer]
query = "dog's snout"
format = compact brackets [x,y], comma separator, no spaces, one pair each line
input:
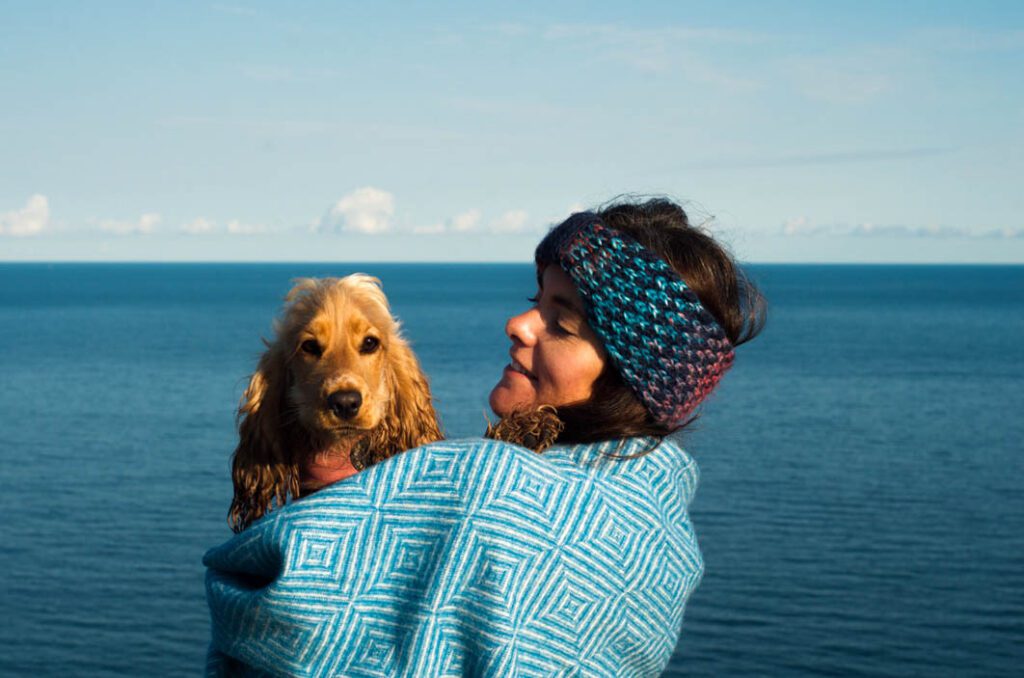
[345,404]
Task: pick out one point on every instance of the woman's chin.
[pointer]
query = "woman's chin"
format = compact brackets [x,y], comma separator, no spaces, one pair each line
[505,399]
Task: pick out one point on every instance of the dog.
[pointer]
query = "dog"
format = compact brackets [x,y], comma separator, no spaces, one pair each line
[337,389]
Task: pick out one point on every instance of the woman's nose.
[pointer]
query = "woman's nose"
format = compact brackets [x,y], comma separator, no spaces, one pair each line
[522,328]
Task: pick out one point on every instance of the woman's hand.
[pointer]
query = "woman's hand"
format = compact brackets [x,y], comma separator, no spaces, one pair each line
[319,472]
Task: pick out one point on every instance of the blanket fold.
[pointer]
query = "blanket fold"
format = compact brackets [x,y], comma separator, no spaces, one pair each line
[470,557]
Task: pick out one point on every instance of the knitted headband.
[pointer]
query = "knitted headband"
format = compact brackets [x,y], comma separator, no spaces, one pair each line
[668,348]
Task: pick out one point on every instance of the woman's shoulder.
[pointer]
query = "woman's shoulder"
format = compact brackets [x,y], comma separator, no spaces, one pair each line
[622,456]
[643,455]
[461,453]
[462,446]
[643,465]
[450,474]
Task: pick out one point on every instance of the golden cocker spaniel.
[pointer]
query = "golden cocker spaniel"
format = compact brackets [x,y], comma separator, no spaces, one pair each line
[337,389]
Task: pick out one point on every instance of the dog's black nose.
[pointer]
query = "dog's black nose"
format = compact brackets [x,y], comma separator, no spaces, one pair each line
[345,404]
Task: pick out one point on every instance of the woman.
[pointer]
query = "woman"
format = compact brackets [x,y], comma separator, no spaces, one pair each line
[483,557]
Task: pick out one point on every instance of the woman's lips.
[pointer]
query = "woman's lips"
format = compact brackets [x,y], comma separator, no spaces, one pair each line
[516,367]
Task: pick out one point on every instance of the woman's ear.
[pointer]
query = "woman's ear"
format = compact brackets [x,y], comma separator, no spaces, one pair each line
[410,420]
[262,470]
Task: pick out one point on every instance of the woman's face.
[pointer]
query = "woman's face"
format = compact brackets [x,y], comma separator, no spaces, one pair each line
[556,356]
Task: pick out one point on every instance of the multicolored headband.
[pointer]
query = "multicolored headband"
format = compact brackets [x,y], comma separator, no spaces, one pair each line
[668,348]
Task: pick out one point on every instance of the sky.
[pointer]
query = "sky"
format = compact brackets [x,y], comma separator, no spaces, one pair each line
[326,131]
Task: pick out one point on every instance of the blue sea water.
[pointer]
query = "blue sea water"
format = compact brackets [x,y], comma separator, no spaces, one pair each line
[861,508]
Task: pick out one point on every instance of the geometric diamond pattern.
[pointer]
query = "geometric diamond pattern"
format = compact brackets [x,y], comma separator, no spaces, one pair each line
[469,556]
[316,554]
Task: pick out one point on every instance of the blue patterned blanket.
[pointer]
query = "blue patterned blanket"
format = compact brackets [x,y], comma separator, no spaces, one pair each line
[469,557]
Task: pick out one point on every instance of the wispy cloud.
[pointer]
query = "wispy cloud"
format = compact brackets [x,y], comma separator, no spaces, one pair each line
[255,126]
[680,49]
[32,219]
[964,39]
[855,77]
[569,211]
[236,227]
[802,226]
[511,222]
[205,226]
[470,221]
[466,221]
[666,33]
[144,225]
[821,158]
[298,128]
[558,217]
[199,226]
[365,210]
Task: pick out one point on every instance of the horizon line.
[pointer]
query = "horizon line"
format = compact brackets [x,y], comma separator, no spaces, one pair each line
[254,262]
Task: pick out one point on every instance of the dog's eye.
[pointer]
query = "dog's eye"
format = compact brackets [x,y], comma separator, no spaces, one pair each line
[370,344]
[312,347]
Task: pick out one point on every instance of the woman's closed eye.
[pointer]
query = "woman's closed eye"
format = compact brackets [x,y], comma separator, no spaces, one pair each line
[557,325]
[560,330]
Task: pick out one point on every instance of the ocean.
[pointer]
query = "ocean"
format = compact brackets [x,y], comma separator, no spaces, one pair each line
[861,507]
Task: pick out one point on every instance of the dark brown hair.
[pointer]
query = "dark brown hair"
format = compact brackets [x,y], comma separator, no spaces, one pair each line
[707,267]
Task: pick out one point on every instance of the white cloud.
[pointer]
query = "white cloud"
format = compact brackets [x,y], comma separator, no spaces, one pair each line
[556,218]
[1010,232]
[199,226]
[236,227]
[797,226]
[204,226]
[148,222]
[364,210]
[513,221]
[145,225]
[465,222]
[31,219]
[568,212]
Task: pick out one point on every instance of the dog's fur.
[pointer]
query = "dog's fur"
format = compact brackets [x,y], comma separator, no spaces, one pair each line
[335,336]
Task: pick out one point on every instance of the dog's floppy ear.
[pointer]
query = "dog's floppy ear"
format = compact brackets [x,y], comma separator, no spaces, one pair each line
[263,470]
[410,420]
[263,473]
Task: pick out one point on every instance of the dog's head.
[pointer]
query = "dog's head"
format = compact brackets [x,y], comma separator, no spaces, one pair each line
[338,377]
[338,335]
